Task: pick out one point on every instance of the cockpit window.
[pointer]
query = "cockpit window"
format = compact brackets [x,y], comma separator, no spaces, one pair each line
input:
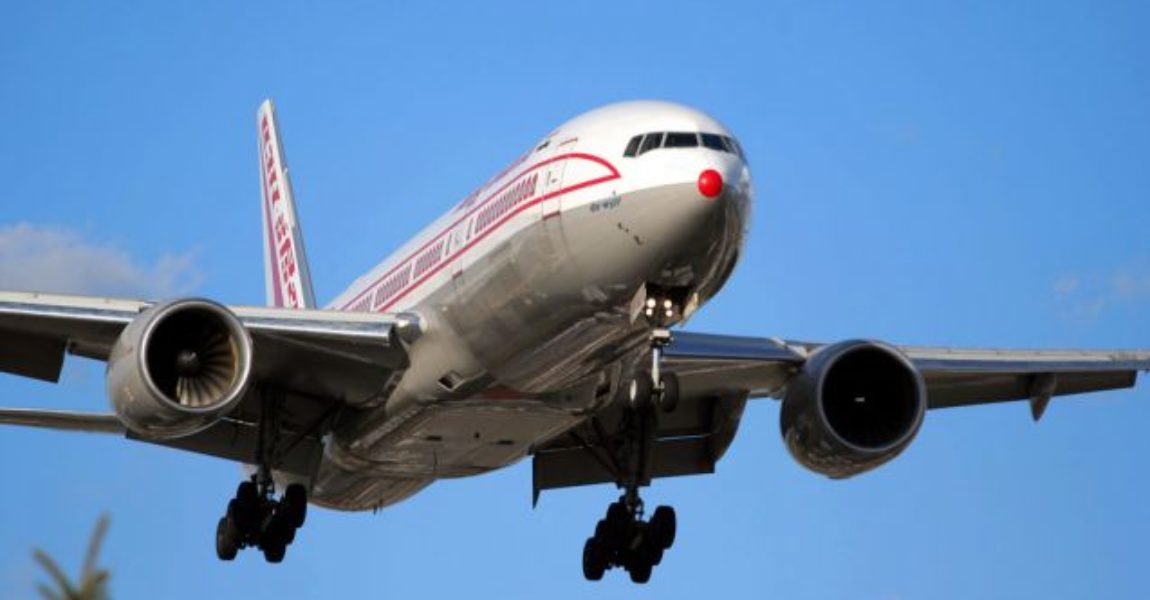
[713,141]
[633,146]
[734,145]
[641,144]
[650,142]
[677,139]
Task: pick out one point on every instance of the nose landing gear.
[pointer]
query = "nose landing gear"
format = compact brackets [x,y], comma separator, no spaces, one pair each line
[654,386]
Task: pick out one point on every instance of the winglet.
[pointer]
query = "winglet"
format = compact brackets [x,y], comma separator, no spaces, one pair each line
[285,262]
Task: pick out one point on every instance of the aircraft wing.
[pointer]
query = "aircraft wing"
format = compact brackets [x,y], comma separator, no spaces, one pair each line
[718,373]
[953,376]
[318,359]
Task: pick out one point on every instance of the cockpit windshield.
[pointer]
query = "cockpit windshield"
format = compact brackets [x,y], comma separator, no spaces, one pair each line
[642,144]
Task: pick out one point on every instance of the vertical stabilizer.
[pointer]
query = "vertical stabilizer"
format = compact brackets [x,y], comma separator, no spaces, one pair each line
[285,262]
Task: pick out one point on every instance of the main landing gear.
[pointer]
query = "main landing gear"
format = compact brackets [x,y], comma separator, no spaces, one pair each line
[623,538]
[256,519]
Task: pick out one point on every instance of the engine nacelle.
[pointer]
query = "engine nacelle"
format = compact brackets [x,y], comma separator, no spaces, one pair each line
[854,406]
[178,367]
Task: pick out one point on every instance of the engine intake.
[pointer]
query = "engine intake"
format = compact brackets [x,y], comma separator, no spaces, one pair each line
[854,406]
[179,367]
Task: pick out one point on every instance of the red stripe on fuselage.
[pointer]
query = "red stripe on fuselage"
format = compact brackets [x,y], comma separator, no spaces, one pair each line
[489,229]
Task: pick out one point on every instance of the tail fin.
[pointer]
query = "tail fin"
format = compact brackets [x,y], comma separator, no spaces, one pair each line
[285,262]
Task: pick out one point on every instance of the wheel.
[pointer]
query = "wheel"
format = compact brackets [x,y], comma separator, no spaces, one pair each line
[294,505]
[288,535]
[274,542]
[670,396]
[593,564]
[227,542]
[640,570]
[641,390]
[617,513]
[274,551]
[601,530]
[663,525]
[245,507]
[247,494]
[652,554]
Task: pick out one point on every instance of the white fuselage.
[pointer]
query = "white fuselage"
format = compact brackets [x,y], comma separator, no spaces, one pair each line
[529,290]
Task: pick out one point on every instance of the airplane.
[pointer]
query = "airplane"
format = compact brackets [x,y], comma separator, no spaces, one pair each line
[539,317]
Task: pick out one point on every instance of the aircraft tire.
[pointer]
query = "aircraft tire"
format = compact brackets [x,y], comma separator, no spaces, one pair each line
[642,390]
[663,525]
[274,550]
[227,539]
[593,564]
[295,505]
[640,570]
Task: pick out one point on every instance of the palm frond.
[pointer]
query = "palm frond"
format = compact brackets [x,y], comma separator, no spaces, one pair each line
[55,572]
[93,583]
[48,593]
[94,547]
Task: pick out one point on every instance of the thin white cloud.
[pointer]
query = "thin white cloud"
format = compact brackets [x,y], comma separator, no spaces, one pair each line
[1088,296]
[1131,286]
[47,258]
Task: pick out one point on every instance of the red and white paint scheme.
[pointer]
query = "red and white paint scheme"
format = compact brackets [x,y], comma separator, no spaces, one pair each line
[288,282]
[537,318]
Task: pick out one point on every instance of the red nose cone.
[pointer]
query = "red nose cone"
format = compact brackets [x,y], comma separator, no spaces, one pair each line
[710,183]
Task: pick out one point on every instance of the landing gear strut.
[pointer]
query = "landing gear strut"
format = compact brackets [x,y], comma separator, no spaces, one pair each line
[653,386]
[255,518]
[623,538]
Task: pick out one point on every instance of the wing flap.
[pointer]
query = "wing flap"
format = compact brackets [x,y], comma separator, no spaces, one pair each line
[238,441]
[689,441]
[569,467]
[31,356]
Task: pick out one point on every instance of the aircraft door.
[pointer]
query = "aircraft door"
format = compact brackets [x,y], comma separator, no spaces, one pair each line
[553,177]
[455,242]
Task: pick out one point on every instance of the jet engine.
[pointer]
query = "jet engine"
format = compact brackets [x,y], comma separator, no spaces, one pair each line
[854,406]
[178,367]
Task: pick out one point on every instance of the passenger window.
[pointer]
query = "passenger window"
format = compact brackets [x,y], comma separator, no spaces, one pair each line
[714,142]
[651,142]
[681,140]
[633,146]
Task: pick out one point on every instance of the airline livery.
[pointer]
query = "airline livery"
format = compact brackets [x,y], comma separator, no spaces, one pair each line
[535,319]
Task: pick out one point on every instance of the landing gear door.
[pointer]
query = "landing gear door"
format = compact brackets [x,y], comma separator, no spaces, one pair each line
[553,176]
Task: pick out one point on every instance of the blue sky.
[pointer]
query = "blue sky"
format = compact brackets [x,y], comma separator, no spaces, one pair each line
[934,173]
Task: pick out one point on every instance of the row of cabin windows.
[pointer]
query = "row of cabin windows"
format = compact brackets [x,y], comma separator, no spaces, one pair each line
[429,259]
[394,284]
[642,144]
